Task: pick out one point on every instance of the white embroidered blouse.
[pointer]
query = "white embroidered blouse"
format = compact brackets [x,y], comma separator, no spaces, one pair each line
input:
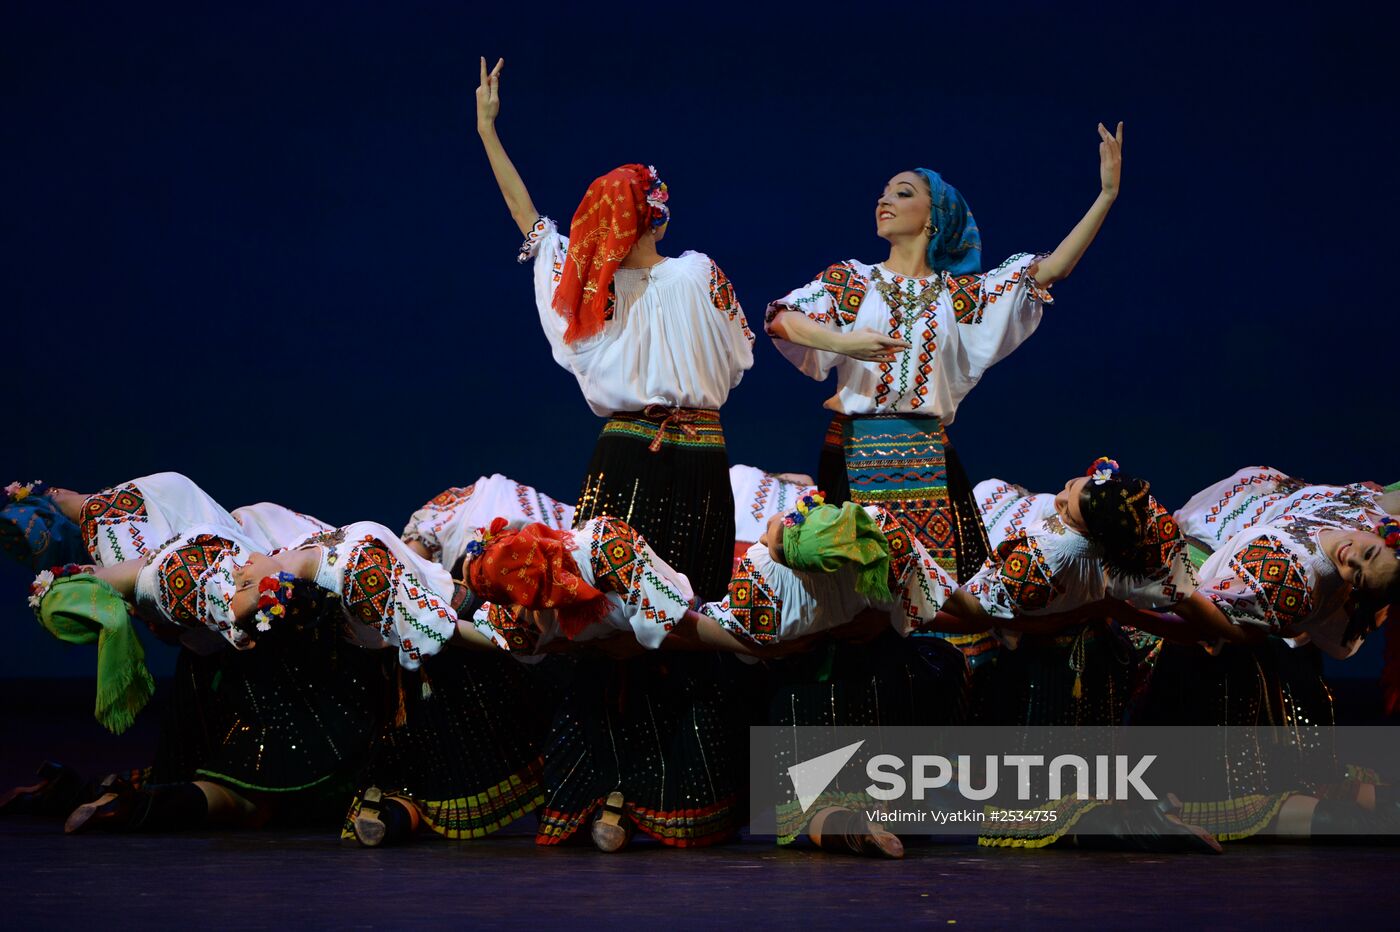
[674,333]
[957,326]
[1049,568]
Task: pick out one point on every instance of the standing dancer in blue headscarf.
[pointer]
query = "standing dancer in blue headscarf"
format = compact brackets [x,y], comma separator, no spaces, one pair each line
[909,337]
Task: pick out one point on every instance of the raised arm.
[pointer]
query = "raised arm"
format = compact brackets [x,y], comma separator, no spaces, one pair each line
[869,345]
[1057,266]
[488,105]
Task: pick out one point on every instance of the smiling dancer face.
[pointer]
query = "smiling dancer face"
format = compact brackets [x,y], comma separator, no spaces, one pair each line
[1362,559]
[903,208]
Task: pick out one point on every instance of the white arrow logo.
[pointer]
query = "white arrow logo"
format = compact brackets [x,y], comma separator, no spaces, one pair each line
[811,777]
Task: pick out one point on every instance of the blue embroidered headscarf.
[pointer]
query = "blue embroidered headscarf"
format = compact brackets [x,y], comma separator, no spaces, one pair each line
[34,531]
[957,246]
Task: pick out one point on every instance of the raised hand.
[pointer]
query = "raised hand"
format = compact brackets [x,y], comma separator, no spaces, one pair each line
[488,96]
[870,345]
[1110,157]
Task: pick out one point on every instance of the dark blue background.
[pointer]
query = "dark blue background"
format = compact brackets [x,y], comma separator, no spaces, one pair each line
[262,246]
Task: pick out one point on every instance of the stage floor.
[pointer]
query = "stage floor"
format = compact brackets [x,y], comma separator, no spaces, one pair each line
[281,878]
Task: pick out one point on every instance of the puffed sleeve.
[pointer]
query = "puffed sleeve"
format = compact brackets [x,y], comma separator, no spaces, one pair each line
[1015,580]
[724,299]
[751,609]
[654,596]
[996,311]
[1262,583]
[394,594]
[920,586]
[832,299]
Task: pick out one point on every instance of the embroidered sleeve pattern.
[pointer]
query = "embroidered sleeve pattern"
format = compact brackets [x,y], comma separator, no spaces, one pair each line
[724,299]
[508,627]
[531,246]
[1173,576]
[833,298]
[113,525]
[965,291]
[624,565]
[751,609]
[427,522]
[383,594]
[196,586]
[1015,580]
[1006,278]
[1268,586]
[922,586]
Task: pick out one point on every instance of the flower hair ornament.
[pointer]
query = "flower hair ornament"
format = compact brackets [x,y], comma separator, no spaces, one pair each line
[657,196]
[45,580]
[19,491]
[477,545]
[805,504]
[1389,531]
[1102,470]
[274,593]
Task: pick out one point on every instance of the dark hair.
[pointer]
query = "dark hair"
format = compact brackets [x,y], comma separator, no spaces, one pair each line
[1118,517]
[310,606]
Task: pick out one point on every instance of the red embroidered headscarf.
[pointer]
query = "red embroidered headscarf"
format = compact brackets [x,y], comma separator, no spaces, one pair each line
[616,210]
[533,568]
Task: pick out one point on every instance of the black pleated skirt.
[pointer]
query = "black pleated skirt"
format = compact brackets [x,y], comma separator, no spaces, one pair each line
[676,495]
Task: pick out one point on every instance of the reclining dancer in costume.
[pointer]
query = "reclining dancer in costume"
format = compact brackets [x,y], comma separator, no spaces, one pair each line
[1297,568]
[35,531]
[1106,542]
[118,523]
[211,579]
[818,569]
[462,756]
[656,345]
[909,338]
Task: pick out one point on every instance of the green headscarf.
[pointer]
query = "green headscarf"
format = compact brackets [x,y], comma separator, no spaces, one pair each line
[830,536]
[82,609]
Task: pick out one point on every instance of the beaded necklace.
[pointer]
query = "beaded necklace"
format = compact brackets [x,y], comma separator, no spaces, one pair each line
[906,305]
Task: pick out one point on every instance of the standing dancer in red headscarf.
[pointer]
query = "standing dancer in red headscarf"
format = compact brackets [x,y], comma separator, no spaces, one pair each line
[656,344]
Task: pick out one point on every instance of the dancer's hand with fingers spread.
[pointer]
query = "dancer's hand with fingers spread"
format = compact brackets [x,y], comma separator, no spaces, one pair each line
[870,345]
[488,96]
[1110,159]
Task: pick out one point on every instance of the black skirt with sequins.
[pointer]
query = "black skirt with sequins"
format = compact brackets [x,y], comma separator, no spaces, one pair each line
[464,741]
[1082,676]
[296,713]
[667,730]
[890,681]
[670,482]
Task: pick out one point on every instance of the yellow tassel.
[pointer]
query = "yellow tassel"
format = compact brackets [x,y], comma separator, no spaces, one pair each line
[1078,690]
[401,714]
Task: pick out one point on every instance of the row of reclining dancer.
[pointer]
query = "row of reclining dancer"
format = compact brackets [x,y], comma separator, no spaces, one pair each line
[819,568]
[880,601]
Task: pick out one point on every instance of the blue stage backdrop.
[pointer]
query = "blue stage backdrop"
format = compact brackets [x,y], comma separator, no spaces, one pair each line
[259,243]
